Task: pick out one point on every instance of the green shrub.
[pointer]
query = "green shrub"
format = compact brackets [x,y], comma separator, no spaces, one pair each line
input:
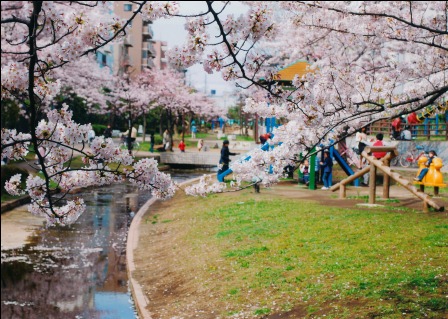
[9,171]
[99,129]
[158,139]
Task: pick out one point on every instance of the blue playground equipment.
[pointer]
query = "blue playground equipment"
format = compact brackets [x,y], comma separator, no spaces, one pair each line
[221,176]
[270,125]
[334,153]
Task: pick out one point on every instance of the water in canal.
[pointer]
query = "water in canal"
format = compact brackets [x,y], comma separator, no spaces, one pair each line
[77,271]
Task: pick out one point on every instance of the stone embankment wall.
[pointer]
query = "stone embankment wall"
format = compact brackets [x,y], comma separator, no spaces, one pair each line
[441,149]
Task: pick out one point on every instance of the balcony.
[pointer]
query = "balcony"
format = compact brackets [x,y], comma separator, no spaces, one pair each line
[148,46]
[127,42]
[148,63]
[126,61]
[147,32]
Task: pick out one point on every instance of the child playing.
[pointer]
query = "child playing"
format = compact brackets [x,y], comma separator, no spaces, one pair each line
[305,170]
[182,146]
[432,155]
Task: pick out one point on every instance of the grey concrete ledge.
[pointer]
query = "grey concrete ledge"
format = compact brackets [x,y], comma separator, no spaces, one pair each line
[140,300]
[26,199]
[10,205]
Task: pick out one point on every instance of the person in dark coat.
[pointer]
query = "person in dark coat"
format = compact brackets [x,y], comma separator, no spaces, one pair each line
[108,132]
[152,141]
[224,160]
[327,165]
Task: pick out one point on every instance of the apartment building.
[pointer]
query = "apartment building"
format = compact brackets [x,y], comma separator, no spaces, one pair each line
[136,51]
[160,60]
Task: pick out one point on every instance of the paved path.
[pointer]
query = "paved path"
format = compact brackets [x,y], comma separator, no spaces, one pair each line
[190,158]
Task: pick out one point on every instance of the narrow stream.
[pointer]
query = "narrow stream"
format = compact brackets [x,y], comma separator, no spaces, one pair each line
[77,271]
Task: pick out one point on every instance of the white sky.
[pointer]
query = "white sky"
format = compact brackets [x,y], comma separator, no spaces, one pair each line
[173,32]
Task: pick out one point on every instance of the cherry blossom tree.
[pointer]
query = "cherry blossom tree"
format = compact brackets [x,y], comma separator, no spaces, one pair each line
[169,91]
[368,61]
[38,38]
[89,81]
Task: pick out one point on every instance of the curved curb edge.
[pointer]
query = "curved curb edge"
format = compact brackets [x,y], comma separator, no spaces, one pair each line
[140,300]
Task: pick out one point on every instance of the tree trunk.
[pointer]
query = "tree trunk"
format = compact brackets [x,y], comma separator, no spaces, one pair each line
[160,124]
[183,127]
[255,129]
[144,126]
[170,123]
[129,142]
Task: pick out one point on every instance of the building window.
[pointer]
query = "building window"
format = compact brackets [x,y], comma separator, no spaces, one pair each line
[128,7]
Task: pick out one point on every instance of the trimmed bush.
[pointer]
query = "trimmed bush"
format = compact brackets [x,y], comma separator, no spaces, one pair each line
[158,139]
[99,129]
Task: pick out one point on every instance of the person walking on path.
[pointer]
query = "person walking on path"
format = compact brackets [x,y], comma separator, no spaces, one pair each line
[133,134]
[125,136]
[200,145]
[224,160]
[327,165]
[166,140]
[193,131]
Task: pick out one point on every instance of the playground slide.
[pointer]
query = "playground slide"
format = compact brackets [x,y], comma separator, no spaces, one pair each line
[346,168]
[339,159]
[221,176]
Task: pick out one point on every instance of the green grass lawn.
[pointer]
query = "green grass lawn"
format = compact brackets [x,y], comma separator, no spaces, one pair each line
[199,135]
[280,255]
[240,138]
[6,197]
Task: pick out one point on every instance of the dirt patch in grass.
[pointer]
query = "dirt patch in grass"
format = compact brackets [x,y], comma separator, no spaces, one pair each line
[205,258]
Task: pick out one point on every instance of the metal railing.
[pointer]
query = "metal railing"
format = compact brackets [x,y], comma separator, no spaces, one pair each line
[428,130]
